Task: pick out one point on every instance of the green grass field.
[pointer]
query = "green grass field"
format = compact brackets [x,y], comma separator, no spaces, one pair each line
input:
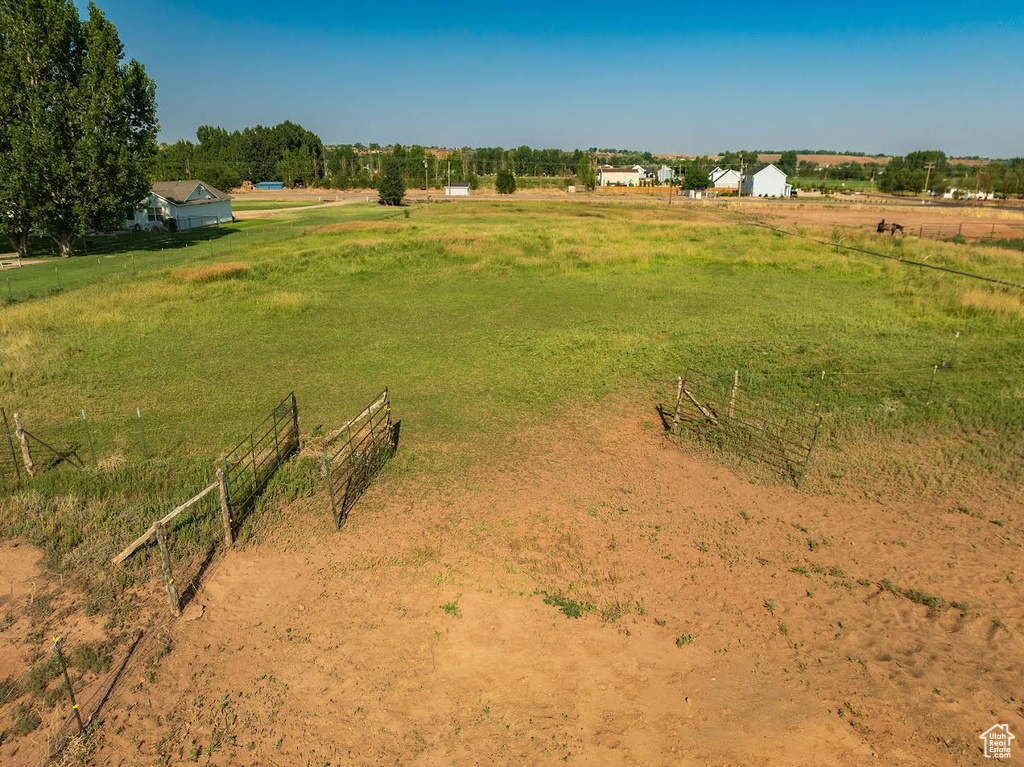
[801,182]
[243,204]
[486,319]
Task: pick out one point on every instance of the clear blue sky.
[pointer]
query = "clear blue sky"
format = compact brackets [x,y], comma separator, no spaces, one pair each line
[676,77]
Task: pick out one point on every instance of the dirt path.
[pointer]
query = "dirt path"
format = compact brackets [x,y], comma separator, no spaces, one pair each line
[723,622]
[346,199]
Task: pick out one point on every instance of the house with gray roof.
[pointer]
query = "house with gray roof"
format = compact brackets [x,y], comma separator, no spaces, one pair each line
[191,204]
[765,180]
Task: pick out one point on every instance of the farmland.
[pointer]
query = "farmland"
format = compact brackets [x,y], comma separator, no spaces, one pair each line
[526,344]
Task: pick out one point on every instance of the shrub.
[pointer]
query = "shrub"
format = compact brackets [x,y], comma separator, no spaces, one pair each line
[505,183]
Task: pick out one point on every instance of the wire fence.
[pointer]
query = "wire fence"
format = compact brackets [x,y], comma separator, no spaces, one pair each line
[975,230]
[756,427]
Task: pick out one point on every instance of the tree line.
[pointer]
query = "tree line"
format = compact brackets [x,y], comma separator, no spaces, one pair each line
[224,159]
[78,128]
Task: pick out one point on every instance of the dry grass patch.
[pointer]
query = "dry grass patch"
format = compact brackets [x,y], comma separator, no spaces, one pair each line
[210,273]
[1003,304]
[356,226]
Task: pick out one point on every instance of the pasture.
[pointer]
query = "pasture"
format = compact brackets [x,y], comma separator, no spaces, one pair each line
[522,340]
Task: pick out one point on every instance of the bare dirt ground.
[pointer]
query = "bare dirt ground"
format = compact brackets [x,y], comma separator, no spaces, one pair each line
[721,621]
[978,222]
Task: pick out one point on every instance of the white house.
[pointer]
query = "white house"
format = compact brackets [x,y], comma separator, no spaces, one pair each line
[766,181]
[664,174]
[721,178]
[457,190]
[609,176]
[190,203]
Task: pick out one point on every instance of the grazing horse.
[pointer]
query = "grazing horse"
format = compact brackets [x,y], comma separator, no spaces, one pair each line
[890,228]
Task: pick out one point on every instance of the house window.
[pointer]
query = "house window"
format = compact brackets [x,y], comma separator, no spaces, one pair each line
[154,214]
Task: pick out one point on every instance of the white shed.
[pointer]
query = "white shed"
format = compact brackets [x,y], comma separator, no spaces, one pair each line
[190,203]
[766,181]
[457,190]
[609,176]
[721,178]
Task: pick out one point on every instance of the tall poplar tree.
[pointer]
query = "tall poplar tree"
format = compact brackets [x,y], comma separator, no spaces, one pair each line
[77,149]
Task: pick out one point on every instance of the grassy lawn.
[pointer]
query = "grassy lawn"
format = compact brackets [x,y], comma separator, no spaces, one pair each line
[244,204]
[485,318]
[808,182]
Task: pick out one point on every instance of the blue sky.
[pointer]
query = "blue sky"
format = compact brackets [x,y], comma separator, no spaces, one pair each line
[681,77]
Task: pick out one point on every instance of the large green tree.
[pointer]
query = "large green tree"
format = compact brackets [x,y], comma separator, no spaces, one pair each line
[81,136]
[392,186]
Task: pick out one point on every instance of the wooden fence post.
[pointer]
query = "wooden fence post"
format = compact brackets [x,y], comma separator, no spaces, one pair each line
[26,453]
[225,508]
[165,568]
[330,489]
[679,402]
[10,445]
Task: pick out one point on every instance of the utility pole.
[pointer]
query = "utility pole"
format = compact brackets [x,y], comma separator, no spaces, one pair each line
[449,189]
[929,166]
[426,182]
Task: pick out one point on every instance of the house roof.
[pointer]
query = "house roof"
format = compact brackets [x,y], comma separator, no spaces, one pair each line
[610,169]
[178,192]
[762,166]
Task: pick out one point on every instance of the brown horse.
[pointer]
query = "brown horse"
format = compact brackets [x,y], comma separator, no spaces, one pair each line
[890,228]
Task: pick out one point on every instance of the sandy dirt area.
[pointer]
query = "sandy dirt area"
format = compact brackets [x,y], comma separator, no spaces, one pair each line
[720,621]
[974,222]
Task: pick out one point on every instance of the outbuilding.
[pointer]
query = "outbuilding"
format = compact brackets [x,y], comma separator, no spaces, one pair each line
[457,190]
[722,178]
[190,204]
[766,181]
[609,176]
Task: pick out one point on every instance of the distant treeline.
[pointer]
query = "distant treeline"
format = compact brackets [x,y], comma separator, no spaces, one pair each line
[285,152]
[290,153]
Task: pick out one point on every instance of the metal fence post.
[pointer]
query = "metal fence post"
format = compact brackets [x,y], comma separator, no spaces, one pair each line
[88,436]
[807,459]
[67,682]
[295,417]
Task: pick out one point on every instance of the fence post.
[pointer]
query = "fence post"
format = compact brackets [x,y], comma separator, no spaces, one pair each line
[931,383]
[165,568]
[807,459]
[142,432]
[88,436]
[295,418]
[225,508]
[67,682]
[679,402]
[10,445]
[26,453]
[735,388]
[330,490]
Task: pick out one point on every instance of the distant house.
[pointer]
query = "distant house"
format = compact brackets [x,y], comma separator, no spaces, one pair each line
[609,176]
[190,204]
[766,181]
[457,190]
[721,178]
[664,174]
